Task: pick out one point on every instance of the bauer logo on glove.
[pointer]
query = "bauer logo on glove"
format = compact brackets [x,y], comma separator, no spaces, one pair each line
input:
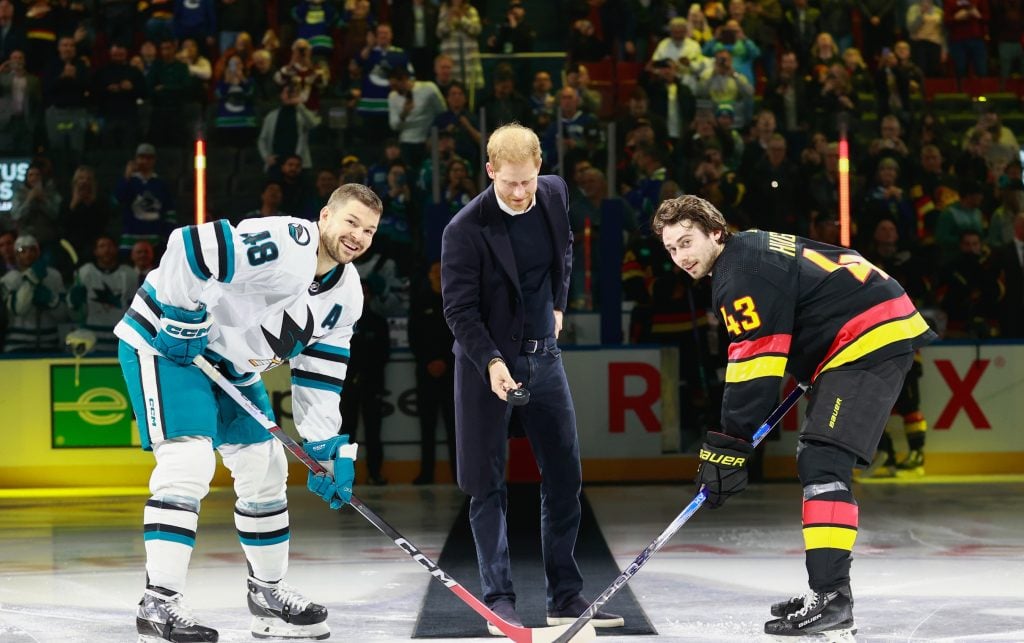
[721,472]
[722,459]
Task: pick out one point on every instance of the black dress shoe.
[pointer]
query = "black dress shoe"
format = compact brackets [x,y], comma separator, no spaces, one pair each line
[506,609]
[377,482]
[423,480]
[571,611]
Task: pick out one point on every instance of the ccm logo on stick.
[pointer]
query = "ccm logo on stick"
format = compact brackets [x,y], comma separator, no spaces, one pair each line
[423,560]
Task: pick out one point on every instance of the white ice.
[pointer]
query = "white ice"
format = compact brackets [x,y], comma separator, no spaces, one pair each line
[933,562]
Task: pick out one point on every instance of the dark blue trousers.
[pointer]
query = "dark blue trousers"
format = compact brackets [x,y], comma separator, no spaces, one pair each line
[549,421]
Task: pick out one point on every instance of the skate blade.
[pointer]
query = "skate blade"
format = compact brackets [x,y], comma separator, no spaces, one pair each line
[149,638]
[829,636]
[274,628]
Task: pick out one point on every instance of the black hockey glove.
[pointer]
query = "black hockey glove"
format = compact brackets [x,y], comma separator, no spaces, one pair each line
[723,467]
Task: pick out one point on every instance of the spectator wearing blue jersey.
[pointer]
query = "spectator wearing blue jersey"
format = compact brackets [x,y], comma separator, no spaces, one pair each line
[377,174]
[579,131]
[196,19]
[315,20]
[460,122]
[649,161]
[146,201]
[375,60]
[235,119]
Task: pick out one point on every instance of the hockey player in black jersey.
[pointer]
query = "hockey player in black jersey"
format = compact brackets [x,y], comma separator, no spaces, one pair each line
[829,317]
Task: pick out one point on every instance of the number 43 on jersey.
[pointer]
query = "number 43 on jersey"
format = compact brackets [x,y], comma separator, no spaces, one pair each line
[745,317]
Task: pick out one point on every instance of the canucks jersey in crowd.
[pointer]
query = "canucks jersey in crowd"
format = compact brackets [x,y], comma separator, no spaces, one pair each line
[257,282]
[797,305]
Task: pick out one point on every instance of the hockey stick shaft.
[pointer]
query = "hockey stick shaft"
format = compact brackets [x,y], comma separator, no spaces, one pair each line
[516,633]
[676,524]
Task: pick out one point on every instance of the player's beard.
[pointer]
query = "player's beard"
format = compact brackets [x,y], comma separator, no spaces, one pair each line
[340,253]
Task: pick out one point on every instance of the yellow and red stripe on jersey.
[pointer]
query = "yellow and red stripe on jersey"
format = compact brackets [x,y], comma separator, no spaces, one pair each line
[761,357]
[883,324]
[829,524]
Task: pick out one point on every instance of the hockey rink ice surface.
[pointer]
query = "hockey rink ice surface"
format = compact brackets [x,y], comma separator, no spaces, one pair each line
[933,562]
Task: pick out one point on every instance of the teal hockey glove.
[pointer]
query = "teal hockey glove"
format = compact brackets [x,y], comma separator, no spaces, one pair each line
[183,334]
[338,457]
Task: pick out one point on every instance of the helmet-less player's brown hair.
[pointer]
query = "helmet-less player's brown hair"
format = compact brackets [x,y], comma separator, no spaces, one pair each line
[691,208]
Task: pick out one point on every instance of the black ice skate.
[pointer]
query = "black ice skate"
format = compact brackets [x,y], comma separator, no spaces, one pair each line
[828,614]
[783,608]
[163,617]
[280,611]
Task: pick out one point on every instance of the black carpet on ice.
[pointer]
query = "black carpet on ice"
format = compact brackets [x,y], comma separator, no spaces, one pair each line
[444,615]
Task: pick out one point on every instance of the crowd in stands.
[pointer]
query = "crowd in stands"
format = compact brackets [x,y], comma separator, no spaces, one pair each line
[741,102]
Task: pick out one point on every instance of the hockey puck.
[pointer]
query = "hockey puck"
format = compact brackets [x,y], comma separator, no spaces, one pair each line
[518,397]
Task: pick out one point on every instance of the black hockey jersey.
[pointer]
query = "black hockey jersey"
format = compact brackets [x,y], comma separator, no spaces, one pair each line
[795,305]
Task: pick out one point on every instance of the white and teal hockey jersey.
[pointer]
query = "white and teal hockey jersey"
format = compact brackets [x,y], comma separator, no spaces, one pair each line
[107,295]
[258,284]
[31,323]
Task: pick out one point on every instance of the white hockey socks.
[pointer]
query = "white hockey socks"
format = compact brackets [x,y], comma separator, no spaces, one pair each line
[170,534]
[263,532]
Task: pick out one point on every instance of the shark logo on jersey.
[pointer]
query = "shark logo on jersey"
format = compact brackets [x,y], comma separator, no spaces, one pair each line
[299,233]
[106,296]
[293,338]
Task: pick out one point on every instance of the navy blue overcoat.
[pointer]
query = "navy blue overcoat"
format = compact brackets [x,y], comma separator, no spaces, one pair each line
[484,308]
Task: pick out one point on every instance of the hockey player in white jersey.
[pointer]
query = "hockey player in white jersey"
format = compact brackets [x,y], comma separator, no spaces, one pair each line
[103,289]
[247,298]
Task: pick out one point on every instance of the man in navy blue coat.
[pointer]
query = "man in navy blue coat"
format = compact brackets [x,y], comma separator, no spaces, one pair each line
[505,266]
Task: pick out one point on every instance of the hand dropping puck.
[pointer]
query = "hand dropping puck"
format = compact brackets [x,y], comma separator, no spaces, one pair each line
[518,397]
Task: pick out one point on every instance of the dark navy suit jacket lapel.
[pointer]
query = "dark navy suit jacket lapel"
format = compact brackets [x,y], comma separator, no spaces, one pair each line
[496,234]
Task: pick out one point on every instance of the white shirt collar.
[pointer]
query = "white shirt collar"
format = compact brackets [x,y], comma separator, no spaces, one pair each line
[507,209]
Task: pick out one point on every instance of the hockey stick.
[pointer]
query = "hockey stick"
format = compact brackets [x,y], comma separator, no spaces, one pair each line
[680,520]
[516,633]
